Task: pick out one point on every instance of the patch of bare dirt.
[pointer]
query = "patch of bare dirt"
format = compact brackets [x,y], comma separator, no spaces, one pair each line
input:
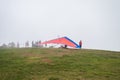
[46,60]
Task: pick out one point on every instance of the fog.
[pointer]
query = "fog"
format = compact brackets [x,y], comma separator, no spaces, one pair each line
[95,22]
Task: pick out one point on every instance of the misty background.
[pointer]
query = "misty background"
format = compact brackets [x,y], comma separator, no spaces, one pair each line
[95,22]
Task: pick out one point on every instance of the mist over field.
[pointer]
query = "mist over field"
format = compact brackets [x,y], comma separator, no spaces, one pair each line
[95,22]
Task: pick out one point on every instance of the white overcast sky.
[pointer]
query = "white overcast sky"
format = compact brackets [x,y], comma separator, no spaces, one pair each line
[95,22]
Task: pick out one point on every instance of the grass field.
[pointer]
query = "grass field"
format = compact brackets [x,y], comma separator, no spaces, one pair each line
[59,64]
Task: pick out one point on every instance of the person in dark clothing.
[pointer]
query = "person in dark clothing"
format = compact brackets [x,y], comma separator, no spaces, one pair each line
[65,46]
[80,43]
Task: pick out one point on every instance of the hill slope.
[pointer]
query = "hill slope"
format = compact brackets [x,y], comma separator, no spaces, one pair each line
[59,64]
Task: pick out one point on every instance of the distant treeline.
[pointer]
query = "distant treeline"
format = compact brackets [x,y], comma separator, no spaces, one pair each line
[26,44]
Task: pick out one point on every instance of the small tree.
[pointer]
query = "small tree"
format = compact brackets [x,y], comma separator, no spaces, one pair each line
[27,44]
[18,45]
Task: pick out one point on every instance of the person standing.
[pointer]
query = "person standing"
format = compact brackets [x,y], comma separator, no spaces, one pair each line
[65,46]
[80,43]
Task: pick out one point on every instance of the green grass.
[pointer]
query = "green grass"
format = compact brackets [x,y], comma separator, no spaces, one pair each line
[59,64]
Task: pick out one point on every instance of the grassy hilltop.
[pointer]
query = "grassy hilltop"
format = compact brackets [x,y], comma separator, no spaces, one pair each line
[59,64]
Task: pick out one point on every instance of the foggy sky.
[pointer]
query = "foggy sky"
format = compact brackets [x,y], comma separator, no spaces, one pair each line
[95,22]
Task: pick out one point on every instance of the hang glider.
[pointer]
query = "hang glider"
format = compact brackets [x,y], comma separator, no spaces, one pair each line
[62,40]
